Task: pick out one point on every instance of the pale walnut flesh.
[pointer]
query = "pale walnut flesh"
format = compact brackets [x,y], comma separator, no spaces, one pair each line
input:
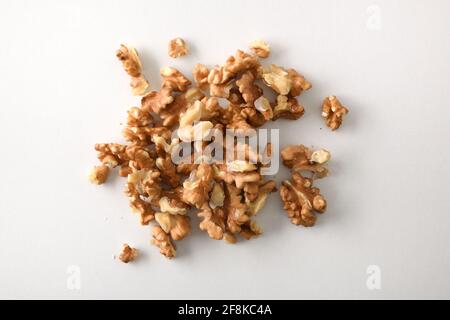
[178,226]
[276,78]
[260,48]
[333,112]
[99,174]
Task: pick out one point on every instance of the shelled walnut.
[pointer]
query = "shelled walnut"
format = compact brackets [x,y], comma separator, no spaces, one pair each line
[177,48]
[132,65]
[167,187]
[128,254]
[300,198]
[333,112]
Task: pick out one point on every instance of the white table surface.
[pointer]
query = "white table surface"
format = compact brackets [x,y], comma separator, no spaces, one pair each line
[62,90]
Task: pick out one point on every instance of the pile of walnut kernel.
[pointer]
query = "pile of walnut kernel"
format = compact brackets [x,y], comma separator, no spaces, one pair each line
[225,196]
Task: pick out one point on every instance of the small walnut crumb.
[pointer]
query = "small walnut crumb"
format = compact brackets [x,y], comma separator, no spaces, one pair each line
[262,104]
[320,156]
[178,48]
[99,174]
[260,48]
[128,254]
[217,196]
[333,111]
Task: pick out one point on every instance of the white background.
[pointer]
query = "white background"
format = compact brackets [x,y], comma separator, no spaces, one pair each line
[62,90]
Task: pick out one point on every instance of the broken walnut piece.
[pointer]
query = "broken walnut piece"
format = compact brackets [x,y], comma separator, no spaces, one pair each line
[139,85]
[132,65]
[171,202]
[220,90]
[178,226]
[333,112]
[138,117]
[156,101]
[301,158]
[253,117]
[178,48]
[128,254]
[262,104]
[99,174]
[260,48]
[213,222]
[276,78]
[111,154]
[174,79]
[139,157]
[247,87]
[235,209]
[142,135]
[168,171]
[162,240]
[197,186]
[217,196]
[298,83]
[287,108]
[240,62]
[200,74]
[139,205]
[255,202]
[250,230]
[301,200]
[147,183]
[130,60]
